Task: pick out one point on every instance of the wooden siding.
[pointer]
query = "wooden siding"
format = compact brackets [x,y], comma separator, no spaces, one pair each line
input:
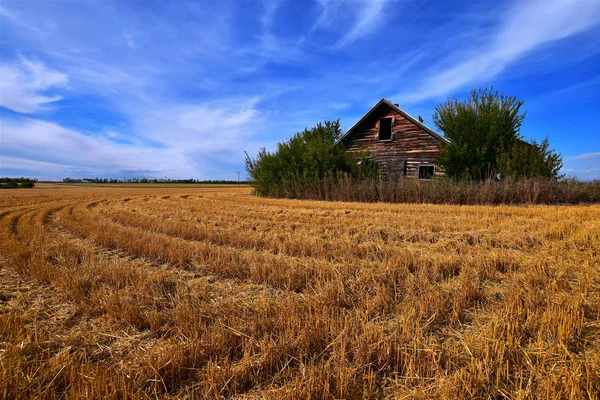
[409,142]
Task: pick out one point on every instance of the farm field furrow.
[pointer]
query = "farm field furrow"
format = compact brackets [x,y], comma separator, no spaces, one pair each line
[210,292]
[305,241]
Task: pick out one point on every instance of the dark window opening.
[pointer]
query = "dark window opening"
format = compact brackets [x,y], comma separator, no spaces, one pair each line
[385,129]
[405,168]
[426,171]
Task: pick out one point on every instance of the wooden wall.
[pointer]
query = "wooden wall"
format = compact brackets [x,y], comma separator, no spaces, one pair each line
[410,143]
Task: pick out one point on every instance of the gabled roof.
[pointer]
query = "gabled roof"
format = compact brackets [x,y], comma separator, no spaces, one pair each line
[401,112]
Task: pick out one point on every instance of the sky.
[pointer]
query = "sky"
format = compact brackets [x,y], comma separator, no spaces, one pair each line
[181,89]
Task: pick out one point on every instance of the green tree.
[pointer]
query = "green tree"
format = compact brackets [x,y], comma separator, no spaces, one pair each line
[530,159]
[308,156]
[27,184]
[481,128]
[484,131]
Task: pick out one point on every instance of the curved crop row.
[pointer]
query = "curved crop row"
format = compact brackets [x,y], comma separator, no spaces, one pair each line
[212,293]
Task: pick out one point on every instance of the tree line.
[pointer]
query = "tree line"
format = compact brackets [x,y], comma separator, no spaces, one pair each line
[147,180]
[13,183]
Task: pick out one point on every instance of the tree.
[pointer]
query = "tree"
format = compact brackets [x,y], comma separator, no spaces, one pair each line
[12,183]
[308,156]
[484,131]
[530,159]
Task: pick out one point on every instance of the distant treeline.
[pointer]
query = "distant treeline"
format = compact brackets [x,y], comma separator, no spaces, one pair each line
[13,183]
[146,180]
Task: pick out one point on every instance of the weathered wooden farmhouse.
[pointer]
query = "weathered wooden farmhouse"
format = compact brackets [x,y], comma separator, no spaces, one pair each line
[402,145]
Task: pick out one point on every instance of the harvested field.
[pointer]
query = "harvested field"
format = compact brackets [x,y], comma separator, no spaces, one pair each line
[209,292]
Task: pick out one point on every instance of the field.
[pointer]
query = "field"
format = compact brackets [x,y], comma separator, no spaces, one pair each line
[209,292]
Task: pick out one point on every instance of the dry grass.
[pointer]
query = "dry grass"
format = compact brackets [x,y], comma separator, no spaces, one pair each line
[526,191]
[213,293]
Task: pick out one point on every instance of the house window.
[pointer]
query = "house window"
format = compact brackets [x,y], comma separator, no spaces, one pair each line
[405,168]
[426,171]
[385,129]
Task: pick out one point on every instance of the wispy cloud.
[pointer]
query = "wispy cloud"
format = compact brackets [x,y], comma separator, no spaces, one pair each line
[587,156]
[25,84]
[210,127]
[584,166]
[128,36]
[368,19]
[16,19]
[51,143]
[326,13]
[526,26]
[590,169]
[268,46]
[177,142]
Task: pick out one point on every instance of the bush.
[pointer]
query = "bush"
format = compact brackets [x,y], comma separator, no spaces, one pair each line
[307,157]
[27,185]
[9,185]
[530,159]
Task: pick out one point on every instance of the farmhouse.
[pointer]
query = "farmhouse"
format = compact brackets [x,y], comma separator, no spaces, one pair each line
[402,145]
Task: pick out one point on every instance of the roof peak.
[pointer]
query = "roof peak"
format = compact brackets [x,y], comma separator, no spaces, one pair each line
[396,108]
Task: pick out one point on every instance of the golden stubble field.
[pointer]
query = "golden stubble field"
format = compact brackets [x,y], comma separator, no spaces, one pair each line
[209,292]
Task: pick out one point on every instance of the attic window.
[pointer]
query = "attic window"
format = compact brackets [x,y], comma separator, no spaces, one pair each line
[385,129]
[426,171]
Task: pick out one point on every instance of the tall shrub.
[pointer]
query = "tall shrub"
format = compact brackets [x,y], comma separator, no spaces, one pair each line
[530,159]
[484,131]
[308,156]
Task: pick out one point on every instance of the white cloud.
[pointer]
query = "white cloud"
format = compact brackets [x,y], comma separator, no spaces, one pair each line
[62,149]
[23,85]
[16,19]
[223,126]
[368,16]
[324,17]
[181,141]
[583,174]
[368,19]
[587,156]
[268,46]
[128,36]
[528,25]
[340,106]
[584,166]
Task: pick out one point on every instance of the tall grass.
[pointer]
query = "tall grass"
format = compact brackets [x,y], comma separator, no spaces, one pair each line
[441,191]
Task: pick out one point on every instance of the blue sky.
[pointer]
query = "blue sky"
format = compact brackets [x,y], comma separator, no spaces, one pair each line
[181,89]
